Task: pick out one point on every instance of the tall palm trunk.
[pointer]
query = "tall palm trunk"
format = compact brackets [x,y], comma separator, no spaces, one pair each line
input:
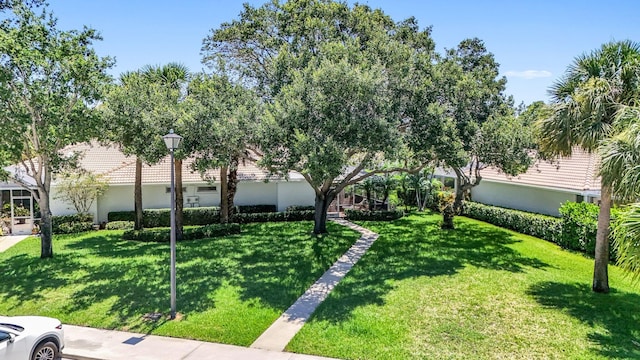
[137,196]
[179,199]
[600,269]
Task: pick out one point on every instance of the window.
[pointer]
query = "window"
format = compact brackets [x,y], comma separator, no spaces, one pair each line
[207,189]
[168,189]
[579,198]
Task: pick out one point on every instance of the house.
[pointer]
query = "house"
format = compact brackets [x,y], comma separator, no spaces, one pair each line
[543,188]
[256,186]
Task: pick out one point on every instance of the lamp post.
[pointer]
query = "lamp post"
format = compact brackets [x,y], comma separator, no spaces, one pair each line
[173,141]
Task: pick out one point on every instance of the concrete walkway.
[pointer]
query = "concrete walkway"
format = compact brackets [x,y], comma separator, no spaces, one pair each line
[278,335]
[8,241]
[94,344]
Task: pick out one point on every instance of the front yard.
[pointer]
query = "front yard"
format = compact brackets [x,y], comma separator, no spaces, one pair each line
[229,289]
[478,292]
[420,292]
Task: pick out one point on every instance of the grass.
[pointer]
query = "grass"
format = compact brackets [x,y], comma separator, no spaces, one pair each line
[229,289]
[478,292]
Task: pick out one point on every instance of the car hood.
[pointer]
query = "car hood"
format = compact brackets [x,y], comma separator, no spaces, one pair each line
[31,323]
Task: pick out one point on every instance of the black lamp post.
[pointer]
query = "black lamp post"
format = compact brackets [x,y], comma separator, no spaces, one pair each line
[173,141]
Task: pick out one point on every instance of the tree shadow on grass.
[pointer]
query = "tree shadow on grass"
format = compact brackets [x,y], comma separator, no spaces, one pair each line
[618,312]
[415,247]
[272,263]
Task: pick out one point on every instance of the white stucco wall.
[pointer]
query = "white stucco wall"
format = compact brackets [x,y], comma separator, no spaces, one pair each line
[60,207]
[294,193]
[257,193]
[538,200]
[281,194]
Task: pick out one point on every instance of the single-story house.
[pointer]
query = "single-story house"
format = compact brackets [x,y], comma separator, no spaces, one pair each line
[256,185]
[543,188]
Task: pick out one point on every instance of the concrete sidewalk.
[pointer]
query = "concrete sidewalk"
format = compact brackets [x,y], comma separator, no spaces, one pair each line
[8,241]
[94,344]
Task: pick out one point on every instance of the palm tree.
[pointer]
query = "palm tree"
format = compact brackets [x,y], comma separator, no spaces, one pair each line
[621,168]
[584,103]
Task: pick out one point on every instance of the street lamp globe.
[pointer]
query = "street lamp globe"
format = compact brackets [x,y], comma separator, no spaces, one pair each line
[172,140]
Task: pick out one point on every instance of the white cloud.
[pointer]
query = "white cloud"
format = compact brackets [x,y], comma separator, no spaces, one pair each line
[529,74]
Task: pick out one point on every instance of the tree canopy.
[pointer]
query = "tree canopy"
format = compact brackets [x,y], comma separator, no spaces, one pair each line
[50,81]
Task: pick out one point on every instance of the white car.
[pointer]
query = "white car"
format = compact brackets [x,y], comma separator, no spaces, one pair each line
[30,338]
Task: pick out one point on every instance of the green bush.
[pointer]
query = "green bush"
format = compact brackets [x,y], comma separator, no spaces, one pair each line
[271,217]
[121,216]
[253,209]
[385,215]
[201,215]
[69,224]
[300,208]
[162,217]
[541,226]
[119,225]
[580,226]
[73,227]
[164,234]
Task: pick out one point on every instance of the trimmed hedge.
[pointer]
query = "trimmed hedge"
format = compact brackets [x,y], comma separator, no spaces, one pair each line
[69,224]
[243,218]
[541,226]
[164,234]
[254,209]
[300,208]
[580,226]
[384,215]
[152,218]
[119,225]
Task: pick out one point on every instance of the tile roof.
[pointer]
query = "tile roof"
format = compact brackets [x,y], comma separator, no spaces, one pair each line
[118,168]
[578,172]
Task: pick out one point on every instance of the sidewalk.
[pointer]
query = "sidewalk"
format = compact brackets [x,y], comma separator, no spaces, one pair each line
[94,344]
[8,241]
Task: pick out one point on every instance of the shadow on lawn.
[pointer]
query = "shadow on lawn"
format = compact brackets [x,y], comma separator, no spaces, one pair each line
[414,247]
[617,312]
[272,263]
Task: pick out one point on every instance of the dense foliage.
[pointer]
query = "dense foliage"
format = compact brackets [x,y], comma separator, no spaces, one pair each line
[380,215]
[163,234]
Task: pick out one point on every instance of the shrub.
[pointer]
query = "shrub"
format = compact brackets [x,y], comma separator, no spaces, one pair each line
[162,217]
[119,225]
[253,209]
[271,217]
[299,215]
[541,226]
[300,208]
[69,224]
[385,215]
[164,234]
[121,216]
[579,226]
[73,227]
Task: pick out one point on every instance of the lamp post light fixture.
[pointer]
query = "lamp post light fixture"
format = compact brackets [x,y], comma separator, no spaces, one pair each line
[173,141]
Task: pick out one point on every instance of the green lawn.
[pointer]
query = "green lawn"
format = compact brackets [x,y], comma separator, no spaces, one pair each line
[478,292]
[229,289]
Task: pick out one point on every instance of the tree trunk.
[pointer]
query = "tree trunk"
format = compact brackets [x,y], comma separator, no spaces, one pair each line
[369,200]
[137,196]
[179,199]
[457,203]
[600,269]
[46,231]
[447,218]
[224,199]
[320,216]
[232,184]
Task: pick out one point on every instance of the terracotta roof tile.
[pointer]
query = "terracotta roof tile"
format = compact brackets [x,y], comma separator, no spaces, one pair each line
[578,172]
[120,169]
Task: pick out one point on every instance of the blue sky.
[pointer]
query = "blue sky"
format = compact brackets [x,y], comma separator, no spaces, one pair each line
[534,41]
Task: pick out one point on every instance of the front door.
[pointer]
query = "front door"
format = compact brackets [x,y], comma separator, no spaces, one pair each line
[22,212]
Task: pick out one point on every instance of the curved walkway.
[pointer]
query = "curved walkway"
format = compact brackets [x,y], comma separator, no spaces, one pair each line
[278,335]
